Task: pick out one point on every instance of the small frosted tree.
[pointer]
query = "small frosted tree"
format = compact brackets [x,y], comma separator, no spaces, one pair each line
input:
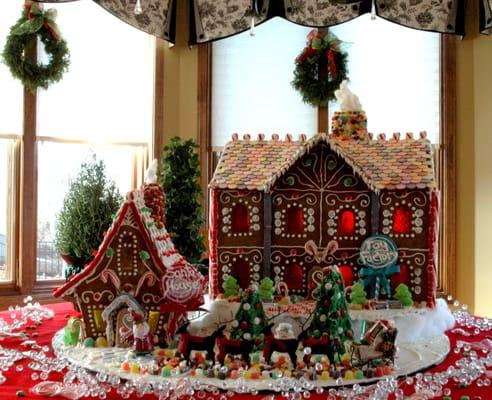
[266,289]
[250,318]
[403,295]
[358,294]
[331,312]
[231,287]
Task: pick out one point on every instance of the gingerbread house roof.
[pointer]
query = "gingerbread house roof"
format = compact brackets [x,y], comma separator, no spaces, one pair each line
[172,267]
[382,164]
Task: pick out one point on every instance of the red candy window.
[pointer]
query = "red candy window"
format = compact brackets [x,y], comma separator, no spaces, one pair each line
[294,220]
[240,270]
[293,276]
[240,219]
[346,224]
[402,221]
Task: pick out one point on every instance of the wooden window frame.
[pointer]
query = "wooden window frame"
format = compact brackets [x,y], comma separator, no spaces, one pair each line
[23,264]
[445,160]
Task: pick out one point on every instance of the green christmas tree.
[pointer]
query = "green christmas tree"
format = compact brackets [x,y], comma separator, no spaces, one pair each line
[88,210]
[403,295]
[266,289]
[250,319]
[358,294]
[231,287]
[331,313]
[180,181]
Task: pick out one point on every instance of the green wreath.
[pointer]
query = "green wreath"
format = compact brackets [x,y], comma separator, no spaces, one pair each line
[320,68]
[23,35]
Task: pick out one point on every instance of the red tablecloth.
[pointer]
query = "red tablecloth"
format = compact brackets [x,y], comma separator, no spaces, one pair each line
[22,380]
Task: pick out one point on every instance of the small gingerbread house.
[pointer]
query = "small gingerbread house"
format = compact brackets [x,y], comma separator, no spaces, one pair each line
[136,268]
[277,204]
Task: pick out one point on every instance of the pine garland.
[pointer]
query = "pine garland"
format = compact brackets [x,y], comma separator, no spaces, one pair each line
[35,23]
[320,69]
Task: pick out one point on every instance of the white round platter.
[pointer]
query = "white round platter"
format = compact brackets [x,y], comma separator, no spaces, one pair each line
[411,358]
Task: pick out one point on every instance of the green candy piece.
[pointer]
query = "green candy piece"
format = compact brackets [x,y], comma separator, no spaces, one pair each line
[20,393]
[144,255]
[464,397]
[307,162]
[71,332]
[89,342]
[109,252]
[347,182]
[332,164]
[290,180]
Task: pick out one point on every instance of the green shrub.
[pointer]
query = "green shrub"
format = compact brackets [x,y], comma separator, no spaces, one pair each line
[180,180]
[87,212]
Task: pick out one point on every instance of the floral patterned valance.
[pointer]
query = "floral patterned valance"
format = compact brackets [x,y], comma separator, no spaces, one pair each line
[217,19]
[212,19]
[156,17]
[485,16]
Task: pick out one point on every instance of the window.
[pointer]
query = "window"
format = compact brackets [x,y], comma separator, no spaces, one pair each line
[294,220]
[103,106]
[89,112]
[405,79]
[251,90]
[402,221]
[395,72]
[10,134]
[240,219]
[7,156]
[346,224]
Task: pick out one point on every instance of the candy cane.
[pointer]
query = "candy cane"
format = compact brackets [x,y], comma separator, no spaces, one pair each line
[111,275]
[282,285]
[148,275]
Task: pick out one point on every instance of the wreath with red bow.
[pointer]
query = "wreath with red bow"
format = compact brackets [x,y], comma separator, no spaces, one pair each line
[320,68]
[23,35]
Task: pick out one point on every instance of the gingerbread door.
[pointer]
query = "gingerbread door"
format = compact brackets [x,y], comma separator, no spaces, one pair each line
[124,328]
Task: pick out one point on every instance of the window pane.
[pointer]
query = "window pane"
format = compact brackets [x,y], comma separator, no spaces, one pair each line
[395,72]
[107,94]
[251,90]
[6,208]
[10,88]
[54,174]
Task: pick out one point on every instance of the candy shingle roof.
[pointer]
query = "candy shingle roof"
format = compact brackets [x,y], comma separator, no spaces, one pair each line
[382,164]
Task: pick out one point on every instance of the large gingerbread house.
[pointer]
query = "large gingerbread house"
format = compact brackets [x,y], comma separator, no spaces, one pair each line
[277,204]
[136,268]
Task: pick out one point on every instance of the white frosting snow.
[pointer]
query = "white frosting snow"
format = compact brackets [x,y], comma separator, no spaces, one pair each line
[151,173]
[348,101]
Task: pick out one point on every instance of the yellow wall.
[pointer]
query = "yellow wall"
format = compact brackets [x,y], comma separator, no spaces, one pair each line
[180,83]
[474,169]
[474,149]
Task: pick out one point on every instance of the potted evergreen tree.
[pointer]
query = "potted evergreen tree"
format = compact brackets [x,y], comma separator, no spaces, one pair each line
[184,215]
[87,212]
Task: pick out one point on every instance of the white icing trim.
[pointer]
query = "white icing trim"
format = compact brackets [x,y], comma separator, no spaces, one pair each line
[115,305]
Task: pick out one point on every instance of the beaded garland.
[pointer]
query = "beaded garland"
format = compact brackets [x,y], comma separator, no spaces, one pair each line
[473,367]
